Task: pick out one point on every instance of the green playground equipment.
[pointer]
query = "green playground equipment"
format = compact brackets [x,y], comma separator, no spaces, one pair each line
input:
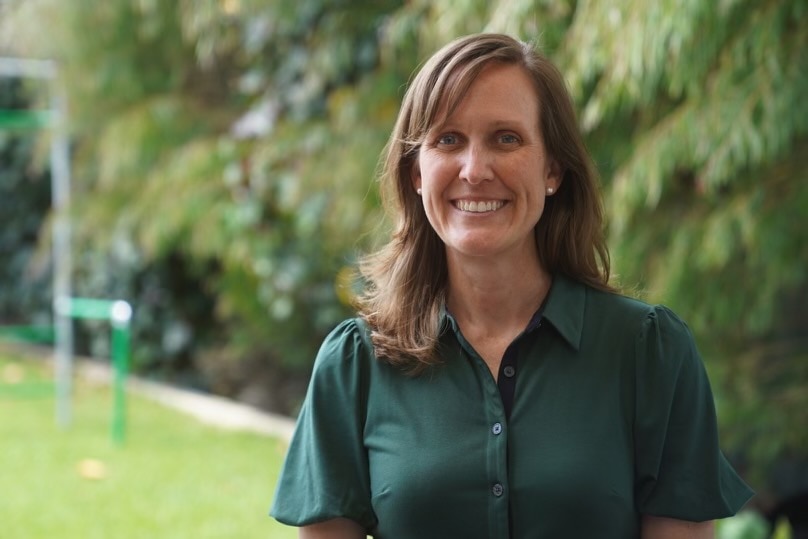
[66,307]
[119,315]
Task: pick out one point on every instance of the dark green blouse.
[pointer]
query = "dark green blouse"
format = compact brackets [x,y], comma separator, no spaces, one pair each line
[612,418]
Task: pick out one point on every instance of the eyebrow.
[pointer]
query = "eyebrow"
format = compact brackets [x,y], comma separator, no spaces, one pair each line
[497,125]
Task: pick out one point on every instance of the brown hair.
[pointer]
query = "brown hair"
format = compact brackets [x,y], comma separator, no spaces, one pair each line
[407,278]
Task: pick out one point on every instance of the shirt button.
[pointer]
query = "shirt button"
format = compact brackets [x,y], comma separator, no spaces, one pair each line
[496,428]
[509,371]
[497,490]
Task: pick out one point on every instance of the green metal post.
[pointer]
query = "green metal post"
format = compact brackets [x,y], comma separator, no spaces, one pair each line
[120,315]
[120,358]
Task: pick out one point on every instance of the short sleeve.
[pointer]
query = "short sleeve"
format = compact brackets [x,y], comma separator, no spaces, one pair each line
[680,470]
[325,474]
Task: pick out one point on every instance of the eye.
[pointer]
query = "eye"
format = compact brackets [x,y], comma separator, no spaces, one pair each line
[447,139]
[508,138]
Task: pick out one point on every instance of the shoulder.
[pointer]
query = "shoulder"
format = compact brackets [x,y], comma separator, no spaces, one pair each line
[661,343]
[339,378]
[607,302]
[635,314]
[349,328]
[349,338]
[344,353]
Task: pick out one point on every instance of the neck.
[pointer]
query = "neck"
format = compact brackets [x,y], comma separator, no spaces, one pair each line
[493,294]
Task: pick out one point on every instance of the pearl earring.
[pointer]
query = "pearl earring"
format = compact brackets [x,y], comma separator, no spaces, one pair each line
[550,190]
[419,191]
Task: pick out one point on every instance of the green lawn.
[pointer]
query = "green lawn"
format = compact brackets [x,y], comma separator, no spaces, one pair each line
[173,478]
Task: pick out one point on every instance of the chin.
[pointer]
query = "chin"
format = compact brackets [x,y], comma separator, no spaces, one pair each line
[475,250]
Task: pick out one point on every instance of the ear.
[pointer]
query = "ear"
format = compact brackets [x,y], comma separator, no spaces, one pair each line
[415,174]
[555,175]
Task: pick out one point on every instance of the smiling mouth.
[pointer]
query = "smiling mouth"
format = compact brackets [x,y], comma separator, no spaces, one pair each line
[483,206]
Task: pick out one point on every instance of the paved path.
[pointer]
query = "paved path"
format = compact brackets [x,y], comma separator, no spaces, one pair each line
[209,409]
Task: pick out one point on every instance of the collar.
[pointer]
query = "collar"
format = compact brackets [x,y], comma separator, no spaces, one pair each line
[563,308]
[446,321]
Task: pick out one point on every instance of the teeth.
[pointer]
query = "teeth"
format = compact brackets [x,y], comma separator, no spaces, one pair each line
[479,207]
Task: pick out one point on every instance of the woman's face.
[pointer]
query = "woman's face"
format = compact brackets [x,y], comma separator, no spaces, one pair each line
[483,170]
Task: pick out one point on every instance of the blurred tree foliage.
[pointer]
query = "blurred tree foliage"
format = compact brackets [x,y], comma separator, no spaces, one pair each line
[241,137]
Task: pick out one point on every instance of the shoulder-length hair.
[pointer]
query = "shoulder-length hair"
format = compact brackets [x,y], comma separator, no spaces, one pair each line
[406,280]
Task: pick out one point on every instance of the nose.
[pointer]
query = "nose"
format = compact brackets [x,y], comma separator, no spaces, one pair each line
[476,164]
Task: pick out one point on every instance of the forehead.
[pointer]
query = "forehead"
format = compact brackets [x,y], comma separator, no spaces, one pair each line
[497,89]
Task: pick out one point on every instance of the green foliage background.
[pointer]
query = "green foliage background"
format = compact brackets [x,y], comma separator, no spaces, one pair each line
[224,152]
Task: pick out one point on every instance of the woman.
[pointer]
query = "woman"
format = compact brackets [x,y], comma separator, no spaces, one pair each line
[494,384]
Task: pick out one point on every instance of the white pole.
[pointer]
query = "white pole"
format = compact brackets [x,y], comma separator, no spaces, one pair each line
[62,264]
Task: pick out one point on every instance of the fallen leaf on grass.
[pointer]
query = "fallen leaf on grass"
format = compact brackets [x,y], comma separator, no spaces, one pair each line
[92,469]
[12,374]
